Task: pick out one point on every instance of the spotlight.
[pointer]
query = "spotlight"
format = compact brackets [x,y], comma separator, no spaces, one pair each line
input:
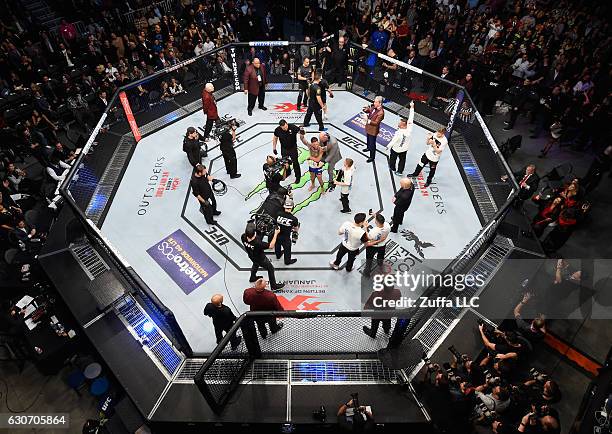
[147,327]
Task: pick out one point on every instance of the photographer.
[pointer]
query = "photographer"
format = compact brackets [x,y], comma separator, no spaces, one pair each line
[288,224]
[507,347]
[202,190]
[226,145]
[287,134]
[275,171]
[436,143]
[355,417]
[540,420]
[541,389]
[498,401]
[353,235]
[533,330]
[256,248]
[192,147]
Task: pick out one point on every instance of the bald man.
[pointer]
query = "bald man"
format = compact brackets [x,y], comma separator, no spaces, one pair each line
[209,107]
[223,319]
[255,79]
[258,298]
[402,200]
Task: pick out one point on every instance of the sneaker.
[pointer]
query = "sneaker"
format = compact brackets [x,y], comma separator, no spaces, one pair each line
[398,173]
[428,183]
[278,286]
[507,128]
[263,108]
[369,160]
[345,211]
[217,213]
[368,331]
[256,279]
[292,261]
[334,266]
[279,325]
[213,222]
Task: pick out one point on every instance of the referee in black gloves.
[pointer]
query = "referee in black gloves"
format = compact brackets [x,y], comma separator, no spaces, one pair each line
[256,248]
[202,190]
[287,134]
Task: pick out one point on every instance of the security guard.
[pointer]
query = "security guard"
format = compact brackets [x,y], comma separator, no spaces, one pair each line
[226,145]
[315,102]
[304,73]
[288,223]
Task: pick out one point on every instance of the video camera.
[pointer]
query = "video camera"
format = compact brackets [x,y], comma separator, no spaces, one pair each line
[225,124]
[538,376]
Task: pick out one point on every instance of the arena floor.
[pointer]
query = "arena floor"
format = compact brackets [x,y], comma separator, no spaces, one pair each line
[155,221]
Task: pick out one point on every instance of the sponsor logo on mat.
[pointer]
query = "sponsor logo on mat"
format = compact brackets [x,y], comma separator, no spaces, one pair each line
[385,135]
[160,180]
[183,261]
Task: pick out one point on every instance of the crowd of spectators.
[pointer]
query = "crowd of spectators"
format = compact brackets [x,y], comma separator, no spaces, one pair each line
[498,391]
[547,59]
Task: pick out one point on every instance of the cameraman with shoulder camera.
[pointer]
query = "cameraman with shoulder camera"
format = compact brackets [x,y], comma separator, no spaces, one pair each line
[288,224]
[287,134]
[226,145]
[192,147]
[275,171]
[256,248]
[355,417]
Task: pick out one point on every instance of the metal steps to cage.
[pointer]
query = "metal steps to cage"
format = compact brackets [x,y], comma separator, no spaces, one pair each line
[90,260]
[475,179]
[109,179]
[435,330]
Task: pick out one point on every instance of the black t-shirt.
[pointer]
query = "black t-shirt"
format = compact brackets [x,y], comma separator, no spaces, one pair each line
[313,92]
[288,139]
[324,85]
[304,71]
[255,248]
[286,221]
[226,143]
[201,187]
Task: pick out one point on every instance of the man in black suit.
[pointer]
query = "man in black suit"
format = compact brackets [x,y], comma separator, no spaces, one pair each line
[527,180]
[202,190]
[402,200]
[223,319]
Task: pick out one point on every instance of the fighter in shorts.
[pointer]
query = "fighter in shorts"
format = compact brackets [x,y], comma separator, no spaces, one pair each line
[315,164]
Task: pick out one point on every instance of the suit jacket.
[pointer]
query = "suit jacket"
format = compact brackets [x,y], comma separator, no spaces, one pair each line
[532,182]
[332,154]
[373,127]
[264,300]
[209,105]
[250,79]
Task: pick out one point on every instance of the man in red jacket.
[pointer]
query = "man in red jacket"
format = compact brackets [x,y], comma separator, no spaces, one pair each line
[209,106]
[261,299]
[255,79]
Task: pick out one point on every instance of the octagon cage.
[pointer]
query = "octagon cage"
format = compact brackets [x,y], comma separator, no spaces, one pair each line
[145,106]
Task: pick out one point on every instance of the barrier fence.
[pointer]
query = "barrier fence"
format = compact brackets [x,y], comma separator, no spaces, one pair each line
[146,105]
